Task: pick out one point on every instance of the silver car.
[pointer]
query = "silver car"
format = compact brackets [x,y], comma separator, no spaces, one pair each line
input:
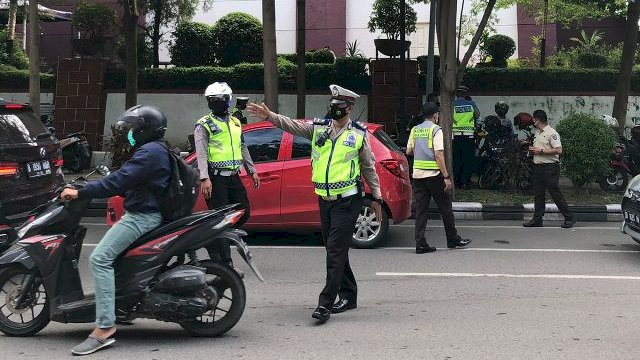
[631,210]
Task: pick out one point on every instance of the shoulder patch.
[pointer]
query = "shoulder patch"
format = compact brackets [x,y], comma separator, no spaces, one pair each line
[321,122]
[554,137]
[358,125]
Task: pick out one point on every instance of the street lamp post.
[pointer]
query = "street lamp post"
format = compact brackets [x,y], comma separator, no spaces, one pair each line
[431,54]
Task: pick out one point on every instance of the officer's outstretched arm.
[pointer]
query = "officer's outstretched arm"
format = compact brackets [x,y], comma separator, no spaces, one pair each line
[295,127]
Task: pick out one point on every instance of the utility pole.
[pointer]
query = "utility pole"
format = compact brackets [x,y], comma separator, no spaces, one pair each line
[34,57]
[432,45]
[402,114]
[543,41]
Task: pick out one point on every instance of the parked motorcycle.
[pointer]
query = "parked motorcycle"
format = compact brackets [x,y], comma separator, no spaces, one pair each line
[76,151]
[158,277]
[617,178]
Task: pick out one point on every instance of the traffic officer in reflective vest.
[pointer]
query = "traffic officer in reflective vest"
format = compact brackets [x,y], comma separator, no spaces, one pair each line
[340,154]
[221,151]
[464,120]
[430,179]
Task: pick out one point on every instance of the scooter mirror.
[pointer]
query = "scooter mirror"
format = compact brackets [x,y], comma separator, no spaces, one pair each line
[103,170]
[241,102]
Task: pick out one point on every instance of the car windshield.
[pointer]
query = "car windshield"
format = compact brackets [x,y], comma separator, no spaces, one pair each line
[387,141]
[19,127]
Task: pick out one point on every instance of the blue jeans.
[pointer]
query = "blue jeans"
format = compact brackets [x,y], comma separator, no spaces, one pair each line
[123,233]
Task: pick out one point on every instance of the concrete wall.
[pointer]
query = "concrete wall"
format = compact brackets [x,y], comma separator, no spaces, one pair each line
[184,109]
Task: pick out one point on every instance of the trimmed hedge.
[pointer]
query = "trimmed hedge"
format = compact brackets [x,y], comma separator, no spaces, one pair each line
[350,73]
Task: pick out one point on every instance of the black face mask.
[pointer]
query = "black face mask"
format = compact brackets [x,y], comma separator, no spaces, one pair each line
[218,107]
[337,113]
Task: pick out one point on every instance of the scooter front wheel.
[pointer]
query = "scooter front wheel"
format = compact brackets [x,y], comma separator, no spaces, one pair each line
[226,309]
[24,305]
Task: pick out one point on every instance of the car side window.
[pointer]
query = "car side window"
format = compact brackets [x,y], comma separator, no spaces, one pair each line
[301,148]
[263,144]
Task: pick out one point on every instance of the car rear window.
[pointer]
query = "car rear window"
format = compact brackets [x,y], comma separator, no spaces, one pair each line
[387,141]
[19,126]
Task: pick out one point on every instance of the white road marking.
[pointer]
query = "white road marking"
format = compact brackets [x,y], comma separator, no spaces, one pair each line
[525,276]
[293,247]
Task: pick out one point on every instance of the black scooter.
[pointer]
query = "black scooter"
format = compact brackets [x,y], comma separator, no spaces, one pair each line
[76,151]
[158,277]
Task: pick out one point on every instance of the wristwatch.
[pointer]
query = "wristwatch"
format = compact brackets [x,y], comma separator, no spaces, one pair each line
[541,151]
[447,177]
[379,201]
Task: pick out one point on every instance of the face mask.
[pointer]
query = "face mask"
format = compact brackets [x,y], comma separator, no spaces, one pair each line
[132,141]
[337,113]
[218,107]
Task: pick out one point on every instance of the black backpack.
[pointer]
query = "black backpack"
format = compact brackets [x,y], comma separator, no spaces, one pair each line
[178,200]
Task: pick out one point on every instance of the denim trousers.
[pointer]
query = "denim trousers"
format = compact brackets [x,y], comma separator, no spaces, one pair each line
[131,226]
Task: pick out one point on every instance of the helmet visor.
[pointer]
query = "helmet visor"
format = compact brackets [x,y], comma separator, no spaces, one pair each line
[130,119]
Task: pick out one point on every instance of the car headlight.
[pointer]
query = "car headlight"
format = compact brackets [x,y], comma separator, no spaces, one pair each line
[633,188]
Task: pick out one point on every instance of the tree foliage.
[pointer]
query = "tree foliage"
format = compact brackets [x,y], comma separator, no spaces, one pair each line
[237,38]
[386,18]
[94,21]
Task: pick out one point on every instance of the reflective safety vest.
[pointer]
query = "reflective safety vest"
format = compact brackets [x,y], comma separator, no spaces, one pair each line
[424,157]
[224,150]
[463,120]
[336,164]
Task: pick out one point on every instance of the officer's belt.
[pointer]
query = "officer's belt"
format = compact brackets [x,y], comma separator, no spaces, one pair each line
[220,172]
[340,196]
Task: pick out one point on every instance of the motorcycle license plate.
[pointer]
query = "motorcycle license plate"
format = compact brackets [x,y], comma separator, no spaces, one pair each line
[632,218]
[38,168]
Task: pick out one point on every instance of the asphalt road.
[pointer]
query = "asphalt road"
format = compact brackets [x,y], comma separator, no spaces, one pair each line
[515,294]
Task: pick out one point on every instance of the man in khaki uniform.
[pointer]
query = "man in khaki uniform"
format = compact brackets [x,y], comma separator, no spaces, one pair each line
[546,152]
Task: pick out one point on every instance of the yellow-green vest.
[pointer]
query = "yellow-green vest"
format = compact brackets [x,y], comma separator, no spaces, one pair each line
[424,156]
[463,120]
[224,150]
[336,164]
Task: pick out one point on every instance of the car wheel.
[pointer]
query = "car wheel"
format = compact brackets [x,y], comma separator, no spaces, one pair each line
[368,232]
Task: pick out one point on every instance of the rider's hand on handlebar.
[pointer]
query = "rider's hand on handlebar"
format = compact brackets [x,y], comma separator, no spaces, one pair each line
[69,194]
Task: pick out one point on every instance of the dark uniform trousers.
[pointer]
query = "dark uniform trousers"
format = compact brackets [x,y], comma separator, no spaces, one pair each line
[547,177]
[338,219]
[423,190]
[227,190]
[464,162]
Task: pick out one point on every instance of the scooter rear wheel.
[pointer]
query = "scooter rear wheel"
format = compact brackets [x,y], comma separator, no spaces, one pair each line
[227,311]
[29,318]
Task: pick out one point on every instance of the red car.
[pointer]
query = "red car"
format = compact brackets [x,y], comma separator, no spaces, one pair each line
[286,199]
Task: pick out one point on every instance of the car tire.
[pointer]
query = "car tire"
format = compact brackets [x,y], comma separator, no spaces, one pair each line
[368,233]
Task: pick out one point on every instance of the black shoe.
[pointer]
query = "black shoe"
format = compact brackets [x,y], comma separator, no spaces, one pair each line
[423,249]
[533,223]
[568,224]
[343,305]
[458,241]
[321,313]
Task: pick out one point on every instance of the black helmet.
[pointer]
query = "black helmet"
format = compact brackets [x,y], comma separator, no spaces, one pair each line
[502,108]
[492,123]
[147,122]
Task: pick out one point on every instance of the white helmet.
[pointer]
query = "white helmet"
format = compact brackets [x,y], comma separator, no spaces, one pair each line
[610,121]
[219,89]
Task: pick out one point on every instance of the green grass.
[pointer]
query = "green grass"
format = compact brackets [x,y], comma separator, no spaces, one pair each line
[573,196]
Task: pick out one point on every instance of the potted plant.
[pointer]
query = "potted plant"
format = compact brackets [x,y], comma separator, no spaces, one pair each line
[95,25]
[386,18]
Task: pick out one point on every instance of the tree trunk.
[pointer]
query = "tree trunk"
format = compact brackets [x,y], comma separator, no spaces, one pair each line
[130,22]
[13,15]
[628,53]
[446,23]
[34,57]
[270,55]
[300,51]
[157,18]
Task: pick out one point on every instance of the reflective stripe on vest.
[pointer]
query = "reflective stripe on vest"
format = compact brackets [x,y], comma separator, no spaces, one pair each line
[336,165]
[224,150]
[463,119]
[424,157]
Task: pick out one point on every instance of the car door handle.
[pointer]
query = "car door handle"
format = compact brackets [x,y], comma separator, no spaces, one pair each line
[269,178]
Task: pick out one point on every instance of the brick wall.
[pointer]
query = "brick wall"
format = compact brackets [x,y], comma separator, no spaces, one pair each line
[80,99]
[384,100]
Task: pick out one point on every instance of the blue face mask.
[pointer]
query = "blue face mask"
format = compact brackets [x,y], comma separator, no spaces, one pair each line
[132,141]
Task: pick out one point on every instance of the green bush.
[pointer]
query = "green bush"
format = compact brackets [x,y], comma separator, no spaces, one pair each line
[192,45]
[586,144]
[237,39]
[591,60]
[94,21]
[19,79]
[500,48]
[15,57]
[322,56]
[386,18]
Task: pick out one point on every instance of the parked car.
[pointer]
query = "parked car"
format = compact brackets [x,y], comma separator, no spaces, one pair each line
[30,162]
[286,199]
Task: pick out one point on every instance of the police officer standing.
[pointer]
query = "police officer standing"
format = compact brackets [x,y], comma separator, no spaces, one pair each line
[430,178]
[221,151]
[340,153]
[546,151]
[464,123]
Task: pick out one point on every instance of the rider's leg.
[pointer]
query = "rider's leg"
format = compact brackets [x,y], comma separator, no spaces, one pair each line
[130,227]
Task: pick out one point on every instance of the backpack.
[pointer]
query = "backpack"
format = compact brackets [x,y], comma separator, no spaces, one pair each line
[178,200]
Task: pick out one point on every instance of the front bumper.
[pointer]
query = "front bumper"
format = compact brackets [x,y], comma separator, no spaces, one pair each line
[631,231]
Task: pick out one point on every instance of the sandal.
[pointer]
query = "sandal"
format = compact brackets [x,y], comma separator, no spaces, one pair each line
[91,345]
